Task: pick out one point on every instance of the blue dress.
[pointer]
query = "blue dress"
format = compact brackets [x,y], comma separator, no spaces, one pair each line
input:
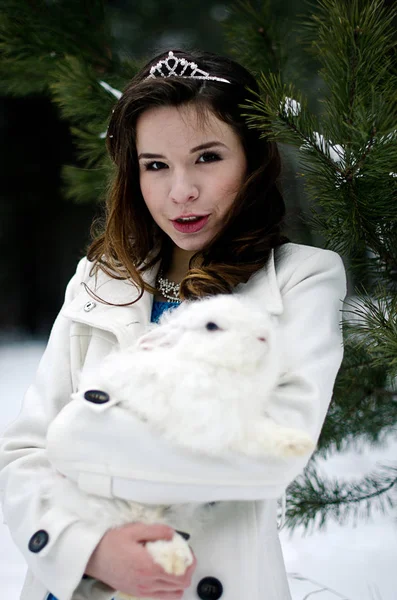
[157,310]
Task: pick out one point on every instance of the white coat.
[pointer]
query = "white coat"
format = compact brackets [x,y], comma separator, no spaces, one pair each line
[304,287]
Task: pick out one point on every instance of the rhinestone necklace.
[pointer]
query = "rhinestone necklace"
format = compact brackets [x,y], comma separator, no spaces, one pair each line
[168,289]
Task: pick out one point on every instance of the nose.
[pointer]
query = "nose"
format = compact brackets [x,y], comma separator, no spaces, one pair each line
[183,188]
[262,339]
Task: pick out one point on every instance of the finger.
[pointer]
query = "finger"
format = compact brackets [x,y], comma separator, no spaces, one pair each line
[159,574]
[162,595]
[178,581]
[149,533]
[158,585]
[164,587]
[151,571]
[156,574]
[168,585]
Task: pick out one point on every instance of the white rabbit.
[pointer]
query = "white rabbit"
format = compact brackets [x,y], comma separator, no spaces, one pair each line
[202,378]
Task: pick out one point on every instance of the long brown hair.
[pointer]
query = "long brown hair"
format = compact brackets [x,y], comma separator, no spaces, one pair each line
[131,241]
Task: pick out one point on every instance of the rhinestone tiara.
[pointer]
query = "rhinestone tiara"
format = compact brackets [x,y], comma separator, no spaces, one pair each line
[172,66]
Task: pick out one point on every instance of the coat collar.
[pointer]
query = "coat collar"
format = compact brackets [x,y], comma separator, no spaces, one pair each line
[127,321]
[123,321]
[263,289]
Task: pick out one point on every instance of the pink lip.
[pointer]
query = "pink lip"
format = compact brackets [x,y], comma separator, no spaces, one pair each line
[191,227]
[187,216]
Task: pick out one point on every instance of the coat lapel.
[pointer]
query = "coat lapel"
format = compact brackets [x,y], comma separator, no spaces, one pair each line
[125,322]
[263,289]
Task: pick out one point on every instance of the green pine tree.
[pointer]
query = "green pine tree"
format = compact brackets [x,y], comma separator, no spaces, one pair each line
[347,149]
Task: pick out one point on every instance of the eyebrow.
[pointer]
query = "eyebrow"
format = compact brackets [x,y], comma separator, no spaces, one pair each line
[195,149]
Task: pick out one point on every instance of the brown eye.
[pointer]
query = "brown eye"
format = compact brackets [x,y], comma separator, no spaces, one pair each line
[209,157]
[212,326]
[154,166]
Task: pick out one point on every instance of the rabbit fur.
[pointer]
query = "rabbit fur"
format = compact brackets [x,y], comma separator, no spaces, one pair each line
[201,378]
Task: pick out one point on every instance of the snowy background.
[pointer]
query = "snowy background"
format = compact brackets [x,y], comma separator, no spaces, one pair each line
[353,562]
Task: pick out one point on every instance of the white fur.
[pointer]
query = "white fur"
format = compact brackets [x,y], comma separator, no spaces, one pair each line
[206,391]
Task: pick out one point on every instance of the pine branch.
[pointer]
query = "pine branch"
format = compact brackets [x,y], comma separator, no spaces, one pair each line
[361,159]
[272,114]
[84,185]
[75,88]
[254,35]
[354,42]
[347,156]
[364,406]
[34,35]
[73,67]
[373,325]
[311,500]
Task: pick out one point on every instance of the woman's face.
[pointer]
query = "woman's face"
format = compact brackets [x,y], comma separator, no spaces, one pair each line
[190,172]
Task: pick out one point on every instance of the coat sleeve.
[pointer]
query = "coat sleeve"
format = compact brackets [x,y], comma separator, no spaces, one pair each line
[312,290]
[26,475]
[140,465]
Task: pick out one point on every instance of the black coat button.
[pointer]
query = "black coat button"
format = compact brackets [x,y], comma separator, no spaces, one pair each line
[209,588]
[38,541]
[96,396]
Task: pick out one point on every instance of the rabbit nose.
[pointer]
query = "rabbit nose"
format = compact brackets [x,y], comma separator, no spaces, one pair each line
[262,339]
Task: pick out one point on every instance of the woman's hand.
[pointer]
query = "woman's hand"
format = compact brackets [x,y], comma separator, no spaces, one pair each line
[121,561]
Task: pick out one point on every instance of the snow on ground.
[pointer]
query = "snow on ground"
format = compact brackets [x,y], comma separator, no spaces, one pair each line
[353,562]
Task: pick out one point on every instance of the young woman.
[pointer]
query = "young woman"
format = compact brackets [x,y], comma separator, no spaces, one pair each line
[194,210]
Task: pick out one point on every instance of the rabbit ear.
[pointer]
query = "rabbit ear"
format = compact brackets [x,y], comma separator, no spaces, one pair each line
[159,338]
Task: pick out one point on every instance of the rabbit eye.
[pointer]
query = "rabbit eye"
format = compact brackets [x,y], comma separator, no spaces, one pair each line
[212,326]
